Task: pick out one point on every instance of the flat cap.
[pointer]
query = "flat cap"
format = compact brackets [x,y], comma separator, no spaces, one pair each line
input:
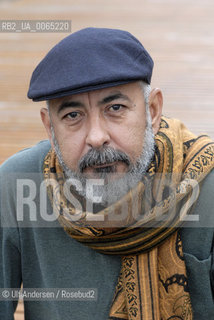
[90,59]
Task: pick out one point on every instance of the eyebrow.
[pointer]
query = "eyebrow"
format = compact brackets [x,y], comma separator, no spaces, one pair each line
[113,97]
[69,104]
[74,104]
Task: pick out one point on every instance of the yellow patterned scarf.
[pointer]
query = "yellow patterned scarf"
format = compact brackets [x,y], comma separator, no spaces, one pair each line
[153,282]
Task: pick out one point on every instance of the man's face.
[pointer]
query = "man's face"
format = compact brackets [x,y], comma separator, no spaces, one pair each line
[112,117]
[101,131]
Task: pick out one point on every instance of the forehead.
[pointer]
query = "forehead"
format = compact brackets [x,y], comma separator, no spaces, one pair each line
[130,90]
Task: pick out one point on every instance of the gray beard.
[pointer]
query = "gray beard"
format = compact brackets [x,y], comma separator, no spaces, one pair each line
[108,190]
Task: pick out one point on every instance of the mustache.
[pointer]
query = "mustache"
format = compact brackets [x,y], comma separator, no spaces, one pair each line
[102,156]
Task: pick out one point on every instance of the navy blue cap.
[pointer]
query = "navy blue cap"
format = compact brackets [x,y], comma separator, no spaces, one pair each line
[90,59]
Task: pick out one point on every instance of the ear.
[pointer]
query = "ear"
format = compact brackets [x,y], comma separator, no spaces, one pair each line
[47,123]
[155,106]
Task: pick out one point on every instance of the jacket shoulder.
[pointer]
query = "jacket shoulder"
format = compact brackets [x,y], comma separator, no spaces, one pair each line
[27,160]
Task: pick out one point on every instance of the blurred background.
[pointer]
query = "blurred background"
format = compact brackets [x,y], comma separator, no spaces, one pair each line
[178,34]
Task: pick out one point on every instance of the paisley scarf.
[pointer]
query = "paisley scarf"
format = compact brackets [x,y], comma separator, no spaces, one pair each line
[152,283]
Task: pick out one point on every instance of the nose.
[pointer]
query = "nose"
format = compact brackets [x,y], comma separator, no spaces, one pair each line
[97,134]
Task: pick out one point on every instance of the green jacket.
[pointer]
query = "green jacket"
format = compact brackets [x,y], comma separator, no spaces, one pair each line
[40,254]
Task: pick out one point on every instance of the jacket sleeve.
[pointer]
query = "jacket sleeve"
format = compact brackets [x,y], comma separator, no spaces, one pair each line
[10,258]
[10,270]
[212,270]
[198,251]
[20,165]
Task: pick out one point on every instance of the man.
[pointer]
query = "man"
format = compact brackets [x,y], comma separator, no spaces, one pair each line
[119,202]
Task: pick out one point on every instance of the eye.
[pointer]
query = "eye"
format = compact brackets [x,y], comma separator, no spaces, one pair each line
[116,107]
[73,115]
